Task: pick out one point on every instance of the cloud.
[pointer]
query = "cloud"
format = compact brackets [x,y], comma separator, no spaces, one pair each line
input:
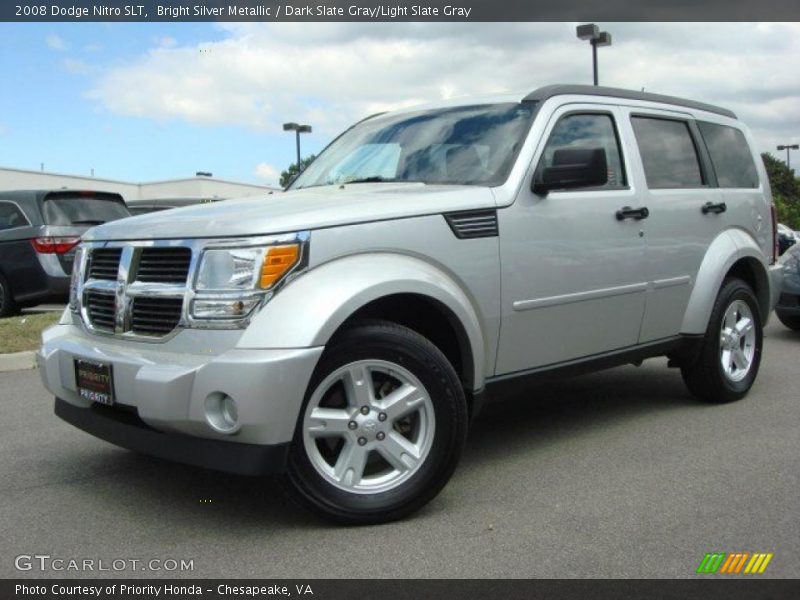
[3,130]
[76,66]
[330,74]
[55,42]
[268,173]
[166,41]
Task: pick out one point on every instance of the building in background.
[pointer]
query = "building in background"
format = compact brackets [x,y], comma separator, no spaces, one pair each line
[204,188]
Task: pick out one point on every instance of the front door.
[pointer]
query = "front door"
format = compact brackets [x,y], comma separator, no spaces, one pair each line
[573,281]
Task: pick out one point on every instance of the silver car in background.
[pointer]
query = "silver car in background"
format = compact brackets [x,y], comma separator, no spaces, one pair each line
[342,334]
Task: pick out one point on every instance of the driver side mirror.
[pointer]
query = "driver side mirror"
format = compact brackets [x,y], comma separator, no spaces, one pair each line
[572,168]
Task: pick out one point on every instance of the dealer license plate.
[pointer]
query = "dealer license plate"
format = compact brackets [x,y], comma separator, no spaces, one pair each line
[95,381]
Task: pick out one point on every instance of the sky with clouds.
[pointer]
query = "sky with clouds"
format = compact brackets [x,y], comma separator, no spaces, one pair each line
[147,101]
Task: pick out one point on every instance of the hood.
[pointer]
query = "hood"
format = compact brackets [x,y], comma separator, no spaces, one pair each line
[285,212]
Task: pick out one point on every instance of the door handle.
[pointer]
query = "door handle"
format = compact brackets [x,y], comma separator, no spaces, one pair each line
[626,212]
[710,207]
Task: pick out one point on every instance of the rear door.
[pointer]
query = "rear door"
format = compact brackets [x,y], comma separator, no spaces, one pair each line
[18,262]
[677,182]
[737,177]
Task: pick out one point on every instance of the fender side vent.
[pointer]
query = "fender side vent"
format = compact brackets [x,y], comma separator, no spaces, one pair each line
[471,224]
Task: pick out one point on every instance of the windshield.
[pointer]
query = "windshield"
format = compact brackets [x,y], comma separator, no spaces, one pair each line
[466,145]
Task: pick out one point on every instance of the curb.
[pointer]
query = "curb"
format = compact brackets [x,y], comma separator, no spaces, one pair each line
[17,361]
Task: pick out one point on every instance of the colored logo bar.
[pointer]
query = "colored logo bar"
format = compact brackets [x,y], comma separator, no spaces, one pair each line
[734,563]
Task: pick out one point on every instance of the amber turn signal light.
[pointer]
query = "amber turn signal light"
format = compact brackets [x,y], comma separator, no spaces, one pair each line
[277,262]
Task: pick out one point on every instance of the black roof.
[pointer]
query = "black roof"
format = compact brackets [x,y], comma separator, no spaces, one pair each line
[548,91]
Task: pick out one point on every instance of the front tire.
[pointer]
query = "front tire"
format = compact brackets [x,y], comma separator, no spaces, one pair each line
[730,355]
[382,427]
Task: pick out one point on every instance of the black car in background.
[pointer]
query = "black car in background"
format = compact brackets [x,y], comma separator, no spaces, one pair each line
[786,238]
[788,309]
[39,230]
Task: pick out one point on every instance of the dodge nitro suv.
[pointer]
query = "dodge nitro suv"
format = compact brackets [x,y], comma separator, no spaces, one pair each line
[342,334]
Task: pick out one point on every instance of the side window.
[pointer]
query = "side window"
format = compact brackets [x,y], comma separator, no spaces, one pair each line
[586,132]
[730,155]
[11,216]
[668,153]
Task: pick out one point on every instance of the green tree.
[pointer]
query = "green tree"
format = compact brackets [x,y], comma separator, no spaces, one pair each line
[290,173]
[785,190]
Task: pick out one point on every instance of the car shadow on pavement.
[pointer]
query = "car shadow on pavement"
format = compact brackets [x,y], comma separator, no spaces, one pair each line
[782,333]
[548,411]
[543,415]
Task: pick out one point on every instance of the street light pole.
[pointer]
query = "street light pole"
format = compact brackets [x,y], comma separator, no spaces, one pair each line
[788,147]
[298,129]
[596,38]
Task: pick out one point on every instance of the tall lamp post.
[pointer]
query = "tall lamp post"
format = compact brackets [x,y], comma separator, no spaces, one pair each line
[788,147]
[596,38]
[298,129]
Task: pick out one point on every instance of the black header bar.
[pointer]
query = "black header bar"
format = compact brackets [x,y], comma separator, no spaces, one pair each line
[400,10]
[707,588]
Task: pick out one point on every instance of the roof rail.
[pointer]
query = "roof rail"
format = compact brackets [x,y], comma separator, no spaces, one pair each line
[543,93]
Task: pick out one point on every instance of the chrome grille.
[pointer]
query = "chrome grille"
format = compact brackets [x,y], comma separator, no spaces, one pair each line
[104,263]
[163,265]
[100,308]
[155,316]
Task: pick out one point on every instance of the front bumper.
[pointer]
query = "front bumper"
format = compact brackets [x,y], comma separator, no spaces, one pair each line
[125,429]
[165,385]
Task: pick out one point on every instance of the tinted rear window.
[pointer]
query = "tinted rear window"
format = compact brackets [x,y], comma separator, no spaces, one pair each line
[668,153]
[730,155]
[11,216]
[82,210]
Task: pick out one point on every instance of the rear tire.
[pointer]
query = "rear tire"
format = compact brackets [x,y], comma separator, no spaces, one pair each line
[8,308]
[791,321]
[731,349]
[381,429]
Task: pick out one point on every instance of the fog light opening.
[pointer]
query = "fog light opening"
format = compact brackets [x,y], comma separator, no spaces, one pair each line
[222,413]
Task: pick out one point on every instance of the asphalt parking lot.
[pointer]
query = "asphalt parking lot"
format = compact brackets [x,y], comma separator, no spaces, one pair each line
[616,474]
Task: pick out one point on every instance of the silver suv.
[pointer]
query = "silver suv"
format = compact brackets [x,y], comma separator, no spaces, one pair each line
[343,333]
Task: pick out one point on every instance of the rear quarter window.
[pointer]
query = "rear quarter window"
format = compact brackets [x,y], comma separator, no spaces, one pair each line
[730,155]
[81,210]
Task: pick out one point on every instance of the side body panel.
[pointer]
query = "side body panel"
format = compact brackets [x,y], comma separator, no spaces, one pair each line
[353,266]
[573,280]
[677,237]
[727,248]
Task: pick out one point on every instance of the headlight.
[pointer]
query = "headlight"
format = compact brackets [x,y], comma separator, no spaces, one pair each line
[229,269]
[77,269]
[232,282]
[242,269]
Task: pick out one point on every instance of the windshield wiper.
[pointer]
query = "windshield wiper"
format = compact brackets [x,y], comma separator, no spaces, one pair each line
[371,179]
[379,179]
[88,222]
